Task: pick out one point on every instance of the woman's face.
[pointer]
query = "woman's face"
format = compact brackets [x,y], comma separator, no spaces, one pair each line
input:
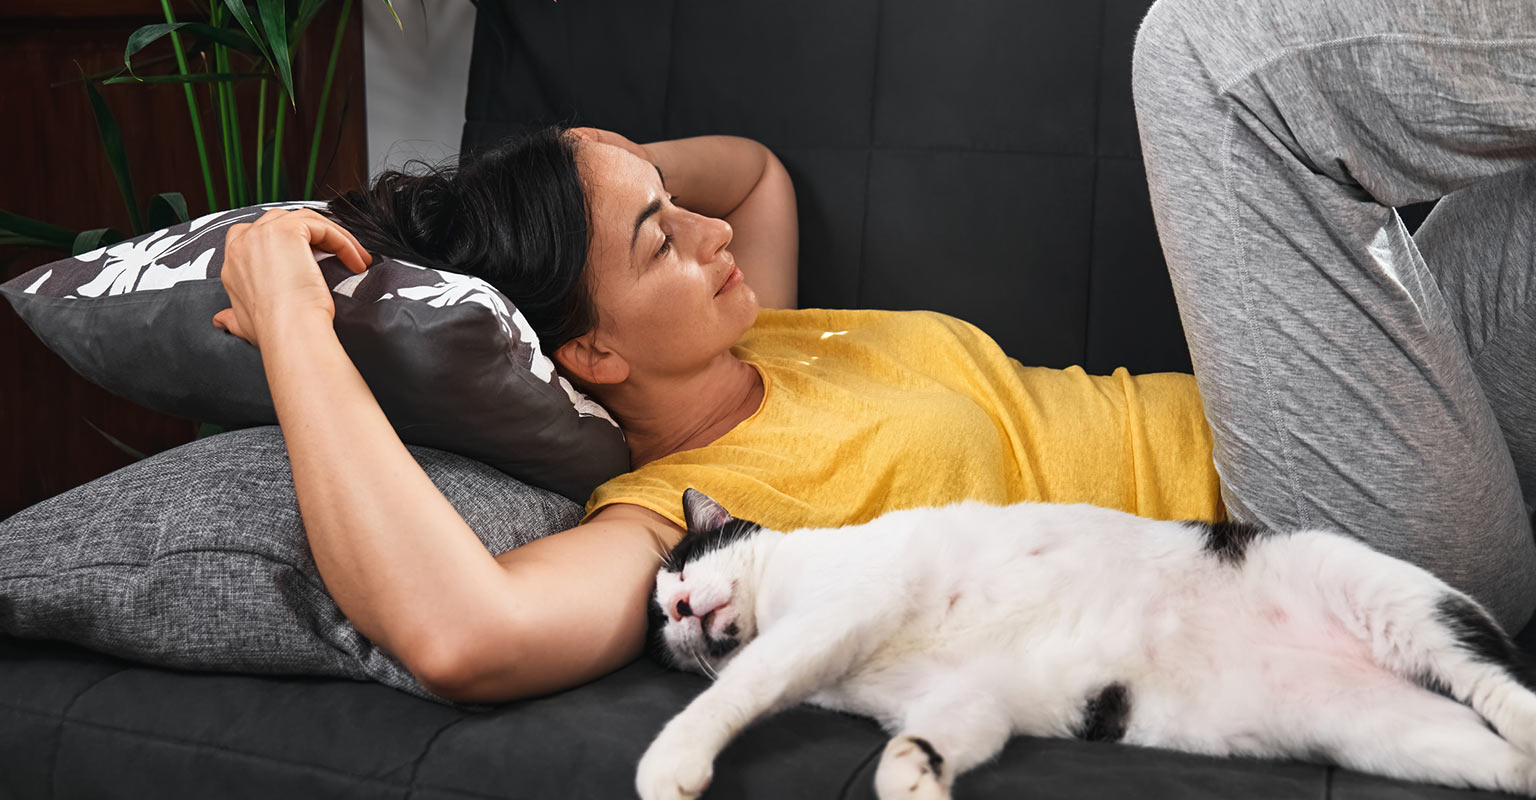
[669,298]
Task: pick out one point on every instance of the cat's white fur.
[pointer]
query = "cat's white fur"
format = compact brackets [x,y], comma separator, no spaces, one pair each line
[964,625]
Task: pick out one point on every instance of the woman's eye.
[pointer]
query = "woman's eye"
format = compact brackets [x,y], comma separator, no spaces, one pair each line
[666,244]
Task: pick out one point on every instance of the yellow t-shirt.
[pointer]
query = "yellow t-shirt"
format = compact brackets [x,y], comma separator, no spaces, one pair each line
[866,412]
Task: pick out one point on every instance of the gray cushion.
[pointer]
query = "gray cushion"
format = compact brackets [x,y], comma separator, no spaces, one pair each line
[197,558]
[451,361]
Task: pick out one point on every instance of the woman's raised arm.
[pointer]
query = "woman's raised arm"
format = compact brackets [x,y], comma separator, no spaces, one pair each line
[398,559]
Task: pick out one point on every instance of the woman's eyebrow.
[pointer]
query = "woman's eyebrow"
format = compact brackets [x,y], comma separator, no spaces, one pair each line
[645,213]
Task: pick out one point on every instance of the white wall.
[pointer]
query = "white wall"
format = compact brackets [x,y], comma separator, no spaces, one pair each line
[416,79]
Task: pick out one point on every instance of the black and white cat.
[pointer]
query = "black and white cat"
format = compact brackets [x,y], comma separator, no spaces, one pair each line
[959,627]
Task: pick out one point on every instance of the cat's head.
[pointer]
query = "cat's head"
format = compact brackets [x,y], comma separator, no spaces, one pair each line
[702,611]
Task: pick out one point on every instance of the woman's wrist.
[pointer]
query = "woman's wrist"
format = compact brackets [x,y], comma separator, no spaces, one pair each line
[294,326]
[709,175]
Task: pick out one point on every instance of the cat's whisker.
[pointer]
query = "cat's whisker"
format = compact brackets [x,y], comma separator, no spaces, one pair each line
[709,671]
[659,548]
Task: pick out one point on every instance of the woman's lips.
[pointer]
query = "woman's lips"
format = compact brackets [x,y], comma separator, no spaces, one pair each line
[730,280]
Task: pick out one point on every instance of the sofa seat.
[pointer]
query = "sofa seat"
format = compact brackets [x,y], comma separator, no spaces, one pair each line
[78,724]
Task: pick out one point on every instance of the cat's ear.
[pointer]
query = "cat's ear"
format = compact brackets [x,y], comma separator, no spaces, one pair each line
[702,512]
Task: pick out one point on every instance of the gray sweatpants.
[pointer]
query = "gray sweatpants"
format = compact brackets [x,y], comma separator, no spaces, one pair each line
[1356,377]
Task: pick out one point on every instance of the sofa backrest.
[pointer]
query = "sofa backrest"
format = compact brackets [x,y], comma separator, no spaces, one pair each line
[977,158]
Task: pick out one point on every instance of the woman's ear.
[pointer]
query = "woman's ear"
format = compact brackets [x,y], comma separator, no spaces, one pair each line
[591,362]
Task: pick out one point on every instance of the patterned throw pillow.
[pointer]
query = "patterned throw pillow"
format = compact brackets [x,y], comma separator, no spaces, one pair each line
[452,362]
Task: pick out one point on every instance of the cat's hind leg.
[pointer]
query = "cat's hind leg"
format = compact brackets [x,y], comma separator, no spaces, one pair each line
[1393,728]
[1415,625]
[953,726]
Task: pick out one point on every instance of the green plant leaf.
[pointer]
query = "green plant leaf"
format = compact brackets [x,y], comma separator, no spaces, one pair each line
[398,23]
[116,442]
[261,135]
[325,98]
[186,90]
[196,77]
[274,21]
[112,142]
[279,188]
[26,227]
[166,209]
[94,238]
[149,34]
[278,192]
[243,16]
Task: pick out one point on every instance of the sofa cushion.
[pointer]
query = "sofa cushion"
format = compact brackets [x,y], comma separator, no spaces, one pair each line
[197,558]
[79,724]
[451,361]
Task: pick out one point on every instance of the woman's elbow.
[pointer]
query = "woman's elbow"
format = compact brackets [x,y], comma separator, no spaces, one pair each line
[469,666]
[442,667]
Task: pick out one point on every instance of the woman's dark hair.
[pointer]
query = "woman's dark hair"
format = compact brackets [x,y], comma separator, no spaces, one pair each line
[515,216]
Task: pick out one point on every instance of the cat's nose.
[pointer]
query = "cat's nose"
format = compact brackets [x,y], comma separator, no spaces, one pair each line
[682,607]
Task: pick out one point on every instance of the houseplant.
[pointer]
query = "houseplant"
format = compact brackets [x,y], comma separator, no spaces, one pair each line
[224,45]
[237,41]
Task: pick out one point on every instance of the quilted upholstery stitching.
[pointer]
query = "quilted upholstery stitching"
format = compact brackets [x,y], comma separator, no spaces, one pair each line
[420,757]
[859,770]
[1093,182]
[171,740]
[869,158]
[58,743]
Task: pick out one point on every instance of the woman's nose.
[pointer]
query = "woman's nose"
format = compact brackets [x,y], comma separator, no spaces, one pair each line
[717,236]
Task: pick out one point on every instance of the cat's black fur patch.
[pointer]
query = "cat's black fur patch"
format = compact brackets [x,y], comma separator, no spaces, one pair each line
[1228,541]
[655,643]
[935,761]
[1105,715]
[1478,633]
[720,648]
[697,543]
[1429,681]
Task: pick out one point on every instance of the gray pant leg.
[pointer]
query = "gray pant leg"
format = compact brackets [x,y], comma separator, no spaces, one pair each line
[1480,243]
[1277,135]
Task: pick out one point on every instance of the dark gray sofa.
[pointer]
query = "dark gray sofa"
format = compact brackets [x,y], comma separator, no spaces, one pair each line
[975,158]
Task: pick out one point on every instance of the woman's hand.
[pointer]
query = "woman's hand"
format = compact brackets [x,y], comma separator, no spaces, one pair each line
[270,273]
[615,139]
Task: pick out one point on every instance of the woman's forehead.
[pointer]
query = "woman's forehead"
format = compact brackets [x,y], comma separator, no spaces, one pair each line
[619,186]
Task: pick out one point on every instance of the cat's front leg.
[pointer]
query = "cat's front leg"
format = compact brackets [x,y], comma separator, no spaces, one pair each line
[956,722]
[911,768]
[781,667]
[676,766]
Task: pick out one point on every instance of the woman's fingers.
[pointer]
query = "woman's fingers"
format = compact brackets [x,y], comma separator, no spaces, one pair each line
[322,232]
[325,234]
[609,137]
[270,266]
[229,322]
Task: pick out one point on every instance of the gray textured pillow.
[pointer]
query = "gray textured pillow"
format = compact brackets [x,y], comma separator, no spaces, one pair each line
[453,364]
[197,558]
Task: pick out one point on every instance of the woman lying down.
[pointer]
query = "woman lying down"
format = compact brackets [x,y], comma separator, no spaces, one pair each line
[1337,391]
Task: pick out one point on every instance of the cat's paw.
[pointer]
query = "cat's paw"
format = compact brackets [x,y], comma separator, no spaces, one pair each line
[911,769]
[1518,721]
[673,773]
